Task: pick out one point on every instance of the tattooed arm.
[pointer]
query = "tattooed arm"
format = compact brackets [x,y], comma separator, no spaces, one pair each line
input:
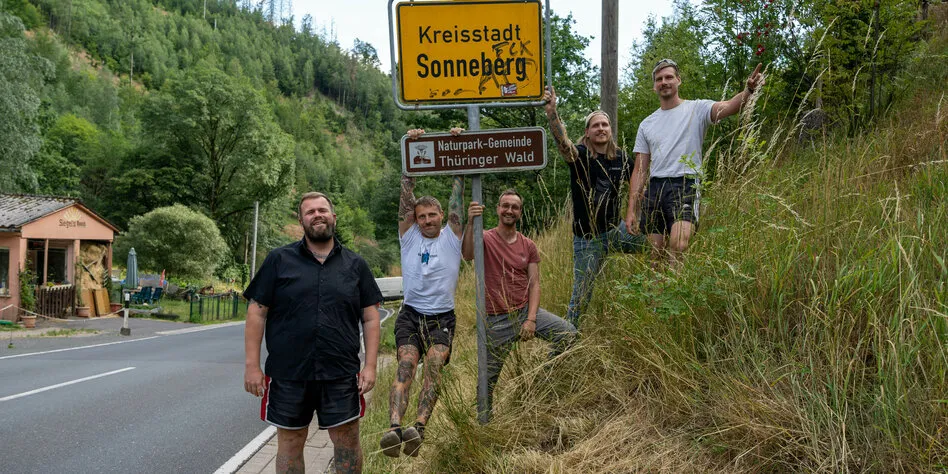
[456,206]
[563,143]
[406,205]
[253,336]
[406,199]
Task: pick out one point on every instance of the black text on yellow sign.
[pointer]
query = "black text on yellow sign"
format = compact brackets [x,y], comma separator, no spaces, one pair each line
[470,51]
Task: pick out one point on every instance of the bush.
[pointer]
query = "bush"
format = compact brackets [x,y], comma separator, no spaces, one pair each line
[27,289]
[184,242]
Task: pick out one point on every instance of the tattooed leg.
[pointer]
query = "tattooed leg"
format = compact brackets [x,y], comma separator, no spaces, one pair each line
[434,361]
[347,453]
[398,397]
[290,450]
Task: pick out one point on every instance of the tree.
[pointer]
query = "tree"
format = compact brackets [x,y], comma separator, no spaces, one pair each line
[220,132]
[366,53]
[182,241]
[21,76]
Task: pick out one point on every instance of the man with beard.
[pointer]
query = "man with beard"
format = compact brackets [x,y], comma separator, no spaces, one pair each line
[431,259]
[668,148]
[597,169]
[512,278]
[308,299]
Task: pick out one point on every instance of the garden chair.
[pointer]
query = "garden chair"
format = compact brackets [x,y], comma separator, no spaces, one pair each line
[143,296]
[156,295]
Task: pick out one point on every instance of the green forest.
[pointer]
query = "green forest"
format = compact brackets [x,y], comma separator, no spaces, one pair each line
[137,105]
[807,331]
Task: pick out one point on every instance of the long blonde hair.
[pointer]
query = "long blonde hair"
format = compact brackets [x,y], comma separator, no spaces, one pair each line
[612,147]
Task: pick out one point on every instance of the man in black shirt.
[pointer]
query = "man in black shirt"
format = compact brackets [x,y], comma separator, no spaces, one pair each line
[597,169]
[308,299]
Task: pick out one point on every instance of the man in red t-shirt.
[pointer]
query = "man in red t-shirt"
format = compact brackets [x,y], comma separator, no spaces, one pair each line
[512,279]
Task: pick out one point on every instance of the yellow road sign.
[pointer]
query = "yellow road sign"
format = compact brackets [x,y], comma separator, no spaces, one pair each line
[470,51]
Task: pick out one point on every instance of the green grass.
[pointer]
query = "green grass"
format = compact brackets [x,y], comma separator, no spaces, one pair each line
[180,310]
[67,332]
[807,332]
[387,343]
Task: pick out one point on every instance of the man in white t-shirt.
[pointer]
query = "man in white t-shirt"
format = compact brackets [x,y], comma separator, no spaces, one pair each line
[668,148]
[431,259]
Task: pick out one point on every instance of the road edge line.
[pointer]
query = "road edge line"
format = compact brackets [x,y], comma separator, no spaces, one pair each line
[198,329]
[247,452]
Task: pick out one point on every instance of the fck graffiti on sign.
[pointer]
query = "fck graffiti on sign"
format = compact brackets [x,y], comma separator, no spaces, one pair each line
[470,51]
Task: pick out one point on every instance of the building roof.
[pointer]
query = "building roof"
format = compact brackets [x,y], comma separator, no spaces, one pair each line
[17,210]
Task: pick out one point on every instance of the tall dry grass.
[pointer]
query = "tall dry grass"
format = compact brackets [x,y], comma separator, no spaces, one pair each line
[807,332]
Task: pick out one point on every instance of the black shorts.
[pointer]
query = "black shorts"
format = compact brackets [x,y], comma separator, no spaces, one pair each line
[423,331]
[290,404]
[669,200]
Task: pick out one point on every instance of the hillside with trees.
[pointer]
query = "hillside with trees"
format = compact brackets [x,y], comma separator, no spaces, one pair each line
[133,106]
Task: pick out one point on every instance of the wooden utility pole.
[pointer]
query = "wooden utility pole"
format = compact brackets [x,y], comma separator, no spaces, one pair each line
[609,86]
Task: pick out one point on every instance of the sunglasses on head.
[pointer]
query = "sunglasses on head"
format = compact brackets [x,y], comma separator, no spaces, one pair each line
[663,64]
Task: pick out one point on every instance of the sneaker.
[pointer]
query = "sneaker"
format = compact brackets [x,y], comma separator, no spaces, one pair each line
[391,442]
[413,437]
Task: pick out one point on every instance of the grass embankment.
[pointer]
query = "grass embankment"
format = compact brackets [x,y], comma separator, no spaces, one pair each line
[808,331]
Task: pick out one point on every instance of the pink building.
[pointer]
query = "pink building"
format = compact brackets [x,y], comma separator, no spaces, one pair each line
[58,239]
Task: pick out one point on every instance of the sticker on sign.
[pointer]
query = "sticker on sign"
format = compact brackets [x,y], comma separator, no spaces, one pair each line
[480,152]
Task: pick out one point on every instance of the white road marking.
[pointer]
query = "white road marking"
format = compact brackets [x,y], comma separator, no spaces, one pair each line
[247,452]
[77,348]
[51,387]
[198,329]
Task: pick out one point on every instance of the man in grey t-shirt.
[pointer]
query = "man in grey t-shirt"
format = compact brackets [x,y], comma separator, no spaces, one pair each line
[668,147]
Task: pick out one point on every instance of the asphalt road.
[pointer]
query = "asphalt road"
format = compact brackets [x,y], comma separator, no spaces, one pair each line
[157,401]
[178,406]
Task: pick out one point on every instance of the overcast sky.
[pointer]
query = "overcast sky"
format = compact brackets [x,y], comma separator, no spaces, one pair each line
[368,21]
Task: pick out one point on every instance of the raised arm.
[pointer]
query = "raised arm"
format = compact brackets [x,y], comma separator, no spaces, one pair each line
[406,205]
[456,206]
[726,108]
[563,143]
[637,182]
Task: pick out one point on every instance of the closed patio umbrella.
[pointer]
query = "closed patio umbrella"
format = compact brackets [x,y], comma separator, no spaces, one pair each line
[131,276]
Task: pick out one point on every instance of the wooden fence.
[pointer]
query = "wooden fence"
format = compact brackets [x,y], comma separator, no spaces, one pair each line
[56,301]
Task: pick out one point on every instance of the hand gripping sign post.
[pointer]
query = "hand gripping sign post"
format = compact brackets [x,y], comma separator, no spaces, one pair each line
[471,54]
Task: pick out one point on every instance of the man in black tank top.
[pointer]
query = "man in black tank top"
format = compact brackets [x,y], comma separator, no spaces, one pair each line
[597,169]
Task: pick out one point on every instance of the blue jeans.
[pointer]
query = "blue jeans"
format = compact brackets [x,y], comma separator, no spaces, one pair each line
[588,255]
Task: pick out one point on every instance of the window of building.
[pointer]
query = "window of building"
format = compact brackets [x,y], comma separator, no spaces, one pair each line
[56,271]
[4,271]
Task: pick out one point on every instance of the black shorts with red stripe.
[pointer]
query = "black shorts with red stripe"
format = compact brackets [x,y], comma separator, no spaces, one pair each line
[290,404]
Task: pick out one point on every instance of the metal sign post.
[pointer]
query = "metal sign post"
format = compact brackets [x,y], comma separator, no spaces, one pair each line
[125,331]
[483,411]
